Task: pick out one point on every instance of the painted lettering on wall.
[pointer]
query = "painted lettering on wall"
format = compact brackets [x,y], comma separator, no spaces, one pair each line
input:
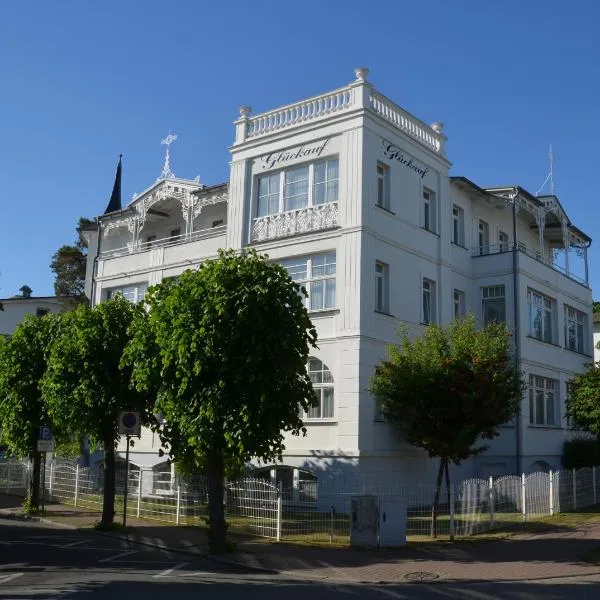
[393,152]
[269,161]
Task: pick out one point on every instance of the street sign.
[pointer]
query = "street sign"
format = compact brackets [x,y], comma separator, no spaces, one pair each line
[45,445]
[45,433]
[129,423]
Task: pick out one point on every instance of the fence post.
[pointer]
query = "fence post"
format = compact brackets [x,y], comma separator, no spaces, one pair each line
[523,497]
[51,477]
[139,494]
[8,475]
[594,485]
[178,505]
[551,498]
[492,499]
[279,511]
[76,483]
[452,515]
[574,489]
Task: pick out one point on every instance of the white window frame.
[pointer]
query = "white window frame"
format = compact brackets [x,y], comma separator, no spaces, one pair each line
[428,302]
[545,391]
[383,186]
[133,293]
[458,304]
[492,293]
[324,387]
[503,241]
[483,237]
[327,280]
[458,225]
[382,287]
[537,301]
[578,320]
[429,210]
[310,197]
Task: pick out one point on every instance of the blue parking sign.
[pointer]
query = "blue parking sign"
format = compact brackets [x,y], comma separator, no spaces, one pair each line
[45,433]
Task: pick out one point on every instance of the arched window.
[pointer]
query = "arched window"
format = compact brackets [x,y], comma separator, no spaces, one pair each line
[322,381]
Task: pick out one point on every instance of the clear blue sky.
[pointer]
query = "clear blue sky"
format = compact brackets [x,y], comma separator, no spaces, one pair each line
[83,81]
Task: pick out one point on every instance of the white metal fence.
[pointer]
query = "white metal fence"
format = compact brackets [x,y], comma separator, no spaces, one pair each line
[315,513]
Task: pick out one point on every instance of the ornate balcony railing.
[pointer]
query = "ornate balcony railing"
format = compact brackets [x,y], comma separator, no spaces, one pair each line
[173,240]
[302,220]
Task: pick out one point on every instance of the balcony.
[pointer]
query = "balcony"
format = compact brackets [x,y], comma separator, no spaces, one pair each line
[293,222]
[174,240]
[527,265]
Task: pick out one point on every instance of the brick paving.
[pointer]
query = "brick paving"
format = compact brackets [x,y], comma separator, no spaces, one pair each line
[533,556]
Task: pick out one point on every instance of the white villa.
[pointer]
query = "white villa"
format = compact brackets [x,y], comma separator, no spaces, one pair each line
[353,195]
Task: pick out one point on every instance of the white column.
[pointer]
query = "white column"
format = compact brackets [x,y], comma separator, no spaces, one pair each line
[540,218]
[565,234]
[241,125]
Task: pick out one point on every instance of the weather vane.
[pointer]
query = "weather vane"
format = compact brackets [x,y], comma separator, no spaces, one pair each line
[166,172]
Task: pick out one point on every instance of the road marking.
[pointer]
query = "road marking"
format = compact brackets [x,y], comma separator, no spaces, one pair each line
[7,578]
[73,544]
[389,592]
[169,571]
[4,543]
[111,558]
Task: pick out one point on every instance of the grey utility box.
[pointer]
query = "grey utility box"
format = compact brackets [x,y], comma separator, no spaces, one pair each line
[364,524]
[392,522]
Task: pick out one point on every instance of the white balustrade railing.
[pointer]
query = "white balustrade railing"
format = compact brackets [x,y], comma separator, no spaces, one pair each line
[302,220]
[300,112]
[173,240]
[405,122]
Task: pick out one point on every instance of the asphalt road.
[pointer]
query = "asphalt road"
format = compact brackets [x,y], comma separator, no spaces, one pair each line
[37,562]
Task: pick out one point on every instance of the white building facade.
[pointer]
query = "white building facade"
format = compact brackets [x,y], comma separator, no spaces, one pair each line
[353,195]
[15,309]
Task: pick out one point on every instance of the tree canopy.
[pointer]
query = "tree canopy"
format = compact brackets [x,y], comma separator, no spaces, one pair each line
[583,400]
[224,350]
[85,386]
[23,361]
[69,264]
[449,390]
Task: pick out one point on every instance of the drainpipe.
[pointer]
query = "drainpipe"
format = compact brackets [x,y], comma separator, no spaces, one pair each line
[517,327]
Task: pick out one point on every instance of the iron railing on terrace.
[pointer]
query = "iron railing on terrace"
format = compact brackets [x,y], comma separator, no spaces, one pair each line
[173,240]
[490,249]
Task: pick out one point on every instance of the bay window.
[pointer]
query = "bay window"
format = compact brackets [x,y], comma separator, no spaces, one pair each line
[298,187]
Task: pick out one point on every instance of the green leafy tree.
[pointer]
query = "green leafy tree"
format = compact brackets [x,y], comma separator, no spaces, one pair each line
[596,306]
[583,401]
[449,390]
[224,350]
[69,264]
[23,362]
[85,386]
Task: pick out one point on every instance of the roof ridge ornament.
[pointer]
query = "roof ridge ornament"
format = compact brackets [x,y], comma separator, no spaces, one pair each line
[166,171]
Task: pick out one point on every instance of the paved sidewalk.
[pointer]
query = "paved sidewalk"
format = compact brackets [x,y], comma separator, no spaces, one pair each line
[556,554]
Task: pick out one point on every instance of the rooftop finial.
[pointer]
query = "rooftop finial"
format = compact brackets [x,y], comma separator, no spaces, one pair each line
[245,110]
[166,172]
[437,126]
[361,73]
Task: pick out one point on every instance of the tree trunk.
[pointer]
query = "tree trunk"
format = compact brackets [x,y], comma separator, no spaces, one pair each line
[217,529]
[436,498]
[450,508]
[34,481]
[108,501]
